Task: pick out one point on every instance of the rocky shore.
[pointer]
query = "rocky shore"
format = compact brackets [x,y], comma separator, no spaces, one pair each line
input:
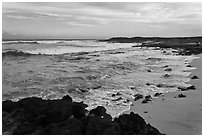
[35,116]
[185,45]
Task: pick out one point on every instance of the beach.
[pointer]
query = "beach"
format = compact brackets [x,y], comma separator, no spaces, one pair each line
[176,116]
[119,79]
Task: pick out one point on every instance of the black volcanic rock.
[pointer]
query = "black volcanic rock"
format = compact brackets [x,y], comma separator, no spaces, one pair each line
[133,124]
[181,96]
[157,94]
[138,96]
[35,116]
[195,77]
[184,45]
[168,69]
[187,88]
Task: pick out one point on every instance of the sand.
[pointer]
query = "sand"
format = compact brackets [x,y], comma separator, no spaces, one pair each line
[176,116]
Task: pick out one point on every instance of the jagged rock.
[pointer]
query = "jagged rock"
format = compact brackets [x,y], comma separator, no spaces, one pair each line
[67,98]
[137,97]
[157,94]
[195,77]
[64,117]
[148,97]
[133,124]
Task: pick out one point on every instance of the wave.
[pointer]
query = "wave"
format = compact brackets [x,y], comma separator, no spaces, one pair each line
[45,41]
[20,42]
[15,53]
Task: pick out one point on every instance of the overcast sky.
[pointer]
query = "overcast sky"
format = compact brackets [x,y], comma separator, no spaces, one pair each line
[100,20]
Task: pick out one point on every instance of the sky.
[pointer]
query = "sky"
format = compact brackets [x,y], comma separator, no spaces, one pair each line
[100,20]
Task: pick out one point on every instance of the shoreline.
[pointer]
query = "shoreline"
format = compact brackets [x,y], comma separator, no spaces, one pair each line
[176,116]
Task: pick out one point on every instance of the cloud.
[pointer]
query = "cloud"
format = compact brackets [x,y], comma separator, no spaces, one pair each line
[100,15]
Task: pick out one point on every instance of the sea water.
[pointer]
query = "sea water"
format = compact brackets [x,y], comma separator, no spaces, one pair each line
[97,73]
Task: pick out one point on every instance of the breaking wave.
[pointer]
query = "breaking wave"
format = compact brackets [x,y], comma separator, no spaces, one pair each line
[15,53]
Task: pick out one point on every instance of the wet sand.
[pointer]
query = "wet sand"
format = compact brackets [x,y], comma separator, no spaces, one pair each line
[176,116]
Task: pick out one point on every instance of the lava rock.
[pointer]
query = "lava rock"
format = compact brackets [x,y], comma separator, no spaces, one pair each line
[188,66]
[9,106]
[133,124]
[166,76]
[168,69]
[35,116]
[148,97]
[187,88]
[159,85]
[149,70]
[67,98]
[157,94]
[147,84]
[191,87]
[181,96]
[83,90]
[146,100]
[195,77]
[137,97]
[165,66]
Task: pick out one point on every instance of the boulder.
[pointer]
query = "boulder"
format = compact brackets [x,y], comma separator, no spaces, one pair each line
[168,69]
[188,66]
[137,97]
[181,96]
[187,88]
[157,94]
[166,76]
[64,117]
[133,124]
[195,77]
[148,97]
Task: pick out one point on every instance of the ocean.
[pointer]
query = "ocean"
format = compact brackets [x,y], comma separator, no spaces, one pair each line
[97,73]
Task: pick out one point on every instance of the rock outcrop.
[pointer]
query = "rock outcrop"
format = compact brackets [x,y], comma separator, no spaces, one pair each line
[35,116]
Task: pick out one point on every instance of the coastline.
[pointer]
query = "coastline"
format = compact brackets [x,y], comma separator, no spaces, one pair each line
[176,116]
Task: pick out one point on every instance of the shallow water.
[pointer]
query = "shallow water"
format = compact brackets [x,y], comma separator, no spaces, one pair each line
[106,74]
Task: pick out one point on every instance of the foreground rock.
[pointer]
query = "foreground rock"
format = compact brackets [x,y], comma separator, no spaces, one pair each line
[63,117]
